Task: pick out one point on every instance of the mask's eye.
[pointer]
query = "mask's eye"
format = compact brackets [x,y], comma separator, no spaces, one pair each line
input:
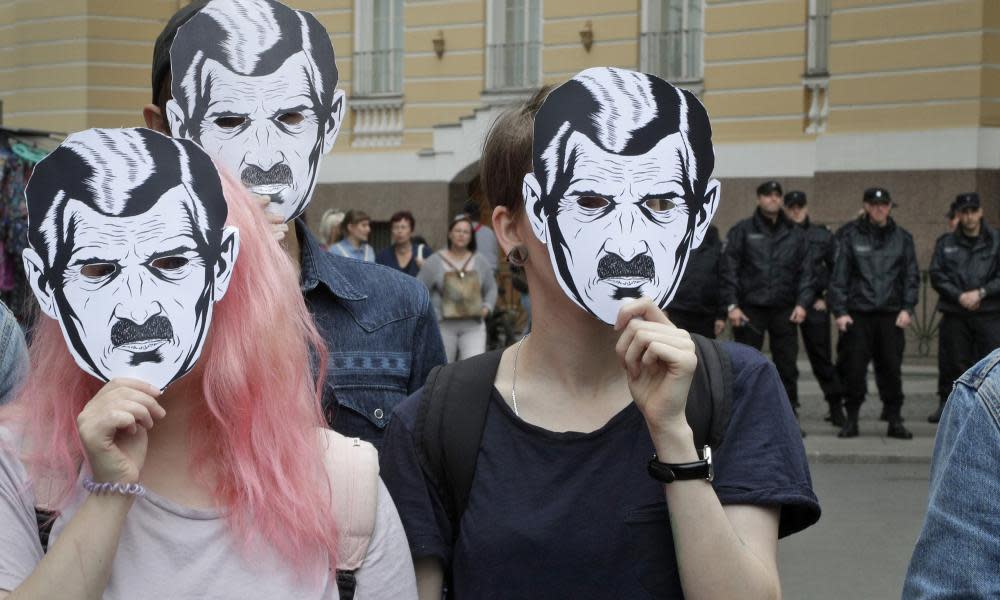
[291,118]
[230,122]
[98,270]
[592,202]
[659,204]
[169,263]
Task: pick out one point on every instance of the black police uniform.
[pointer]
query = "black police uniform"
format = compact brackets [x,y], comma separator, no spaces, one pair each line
[697,305]
[875,276]
[961,264]
[766,272]
[816,328]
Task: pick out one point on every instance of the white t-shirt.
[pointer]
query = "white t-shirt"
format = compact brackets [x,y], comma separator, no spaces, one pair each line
[172,551]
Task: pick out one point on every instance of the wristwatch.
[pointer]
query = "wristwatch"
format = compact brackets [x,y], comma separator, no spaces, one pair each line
[668,473]
[982,293]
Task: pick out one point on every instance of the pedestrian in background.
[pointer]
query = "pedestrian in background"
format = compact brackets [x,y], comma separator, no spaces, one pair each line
[965,273]
[816,328]
[356,228]
[873,292]
[404,254]
[486,240]
[463,291]
[767,282]
[329,227]
[697,306]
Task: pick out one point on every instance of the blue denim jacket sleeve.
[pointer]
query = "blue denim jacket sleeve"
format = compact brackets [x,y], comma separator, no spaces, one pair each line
[958,551]
[13,355]
[428,348]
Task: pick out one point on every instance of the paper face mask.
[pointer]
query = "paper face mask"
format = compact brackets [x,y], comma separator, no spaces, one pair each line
[128,250]
[254,82]
[621,190]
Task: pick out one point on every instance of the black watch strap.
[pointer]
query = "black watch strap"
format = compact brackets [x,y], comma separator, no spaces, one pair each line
[668,473]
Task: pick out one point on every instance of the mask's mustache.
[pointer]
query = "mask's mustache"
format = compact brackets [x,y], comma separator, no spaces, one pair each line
[613,266]
[128,332]
[253,175]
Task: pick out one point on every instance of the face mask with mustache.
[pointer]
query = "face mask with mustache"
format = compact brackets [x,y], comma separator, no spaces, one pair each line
[612,266]
[267,182]
[155,328]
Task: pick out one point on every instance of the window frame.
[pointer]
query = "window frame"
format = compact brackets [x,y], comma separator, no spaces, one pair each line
[531,75]
[651,26]
[366,80]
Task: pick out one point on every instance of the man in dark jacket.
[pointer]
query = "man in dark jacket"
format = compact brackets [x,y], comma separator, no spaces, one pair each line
[767,283]
[873,292]
[816,328]
[696,306]
[966,275]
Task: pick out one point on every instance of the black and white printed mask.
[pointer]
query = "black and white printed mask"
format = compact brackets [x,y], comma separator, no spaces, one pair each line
[129,250]
[254,82]
[621,188]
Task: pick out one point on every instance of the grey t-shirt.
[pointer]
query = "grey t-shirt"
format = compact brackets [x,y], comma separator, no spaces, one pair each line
[171,551]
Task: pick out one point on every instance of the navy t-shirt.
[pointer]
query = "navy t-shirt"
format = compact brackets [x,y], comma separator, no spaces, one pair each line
[575,515]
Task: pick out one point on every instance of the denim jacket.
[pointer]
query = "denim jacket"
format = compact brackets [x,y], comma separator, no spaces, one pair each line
[958,551]
[13,354]
[380,331]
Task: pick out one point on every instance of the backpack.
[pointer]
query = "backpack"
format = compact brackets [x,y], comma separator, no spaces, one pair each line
[452,415]
[353,468]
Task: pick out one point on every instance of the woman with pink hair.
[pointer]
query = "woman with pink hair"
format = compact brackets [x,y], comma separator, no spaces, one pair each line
[226,484]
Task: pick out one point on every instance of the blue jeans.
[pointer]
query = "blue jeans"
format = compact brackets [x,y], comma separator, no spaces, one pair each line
[958,552]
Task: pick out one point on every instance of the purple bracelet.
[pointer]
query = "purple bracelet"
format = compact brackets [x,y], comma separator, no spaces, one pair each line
[125,489]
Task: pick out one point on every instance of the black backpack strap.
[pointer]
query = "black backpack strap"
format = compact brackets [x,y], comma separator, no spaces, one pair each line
[45,519]
[449,428]
[347,584]
[710,398]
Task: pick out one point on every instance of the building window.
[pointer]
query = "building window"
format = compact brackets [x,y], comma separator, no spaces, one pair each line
[514,48]
[378,48]
[673,39]
[818,47]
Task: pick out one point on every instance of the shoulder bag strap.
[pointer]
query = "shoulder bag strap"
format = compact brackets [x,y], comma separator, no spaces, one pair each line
[353,468]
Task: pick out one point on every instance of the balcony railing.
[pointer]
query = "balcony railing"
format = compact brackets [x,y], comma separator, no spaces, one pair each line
[673,55]
[513,66]
[378,72]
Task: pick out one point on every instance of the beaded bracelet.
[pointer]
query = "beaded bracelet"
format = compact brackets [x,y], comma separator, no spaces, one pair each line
[125,489]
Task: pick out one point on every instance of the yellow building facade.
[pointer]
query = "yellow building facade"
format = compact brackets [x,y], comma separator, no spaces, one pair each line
[827,96]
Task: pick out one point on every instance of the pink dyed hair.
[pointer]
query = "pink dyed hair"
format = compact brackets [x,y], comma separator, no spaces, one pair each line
[257,429]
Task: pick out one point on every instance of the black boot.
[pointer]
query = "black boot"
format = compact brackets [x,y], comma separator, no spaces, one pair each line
[885,414]
[936,415]
[897,430]
[850,427]
[837,417]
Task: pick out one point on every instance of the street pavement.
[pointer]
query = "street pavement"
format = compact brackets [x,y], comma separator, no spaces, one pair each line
[873,492]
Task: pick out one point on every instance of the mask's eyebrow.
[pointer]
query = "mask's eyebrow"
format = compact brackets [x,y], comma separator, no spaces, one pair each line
[93,261]
[174,252]
[294,109]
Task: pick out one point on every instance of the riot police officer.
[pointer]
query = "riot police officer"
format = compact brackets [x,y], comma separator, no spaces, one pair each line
[816,328]
[767,282]
[873,292]
[696,306]
[966,275]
